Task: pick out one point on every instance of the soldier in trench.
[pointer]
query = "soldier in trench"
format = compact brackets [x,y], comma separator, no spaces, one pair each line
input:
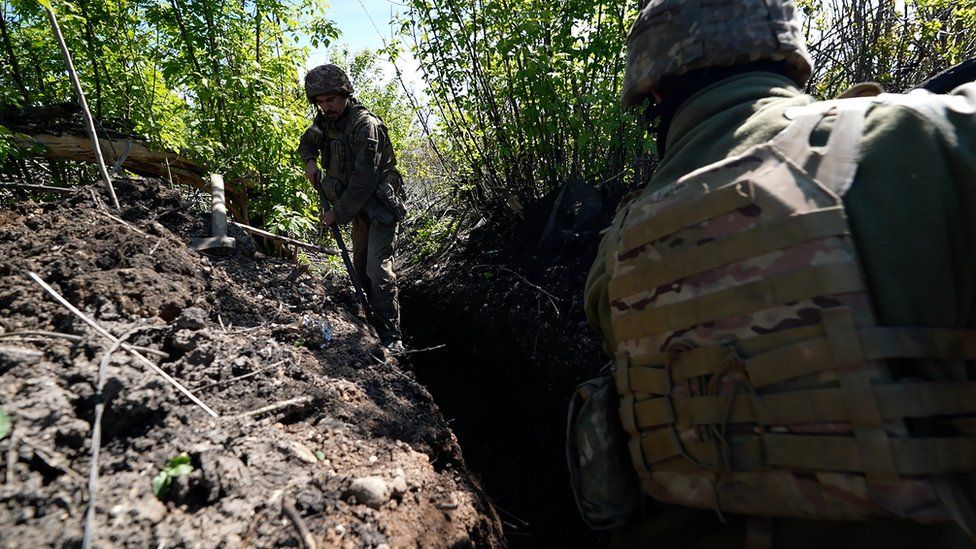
[363,185]
[791,303]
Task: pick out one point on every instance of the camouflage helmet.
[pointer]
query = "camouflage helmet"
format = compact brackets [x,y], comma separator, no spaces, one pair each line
[673,37]
[325,79]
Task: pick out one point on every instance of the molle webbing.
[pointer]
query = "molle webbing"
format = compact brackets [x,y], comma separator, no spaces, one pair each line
[747,350]
[692,212]
[752,242]
[650,376]
[912,456]
[762,293]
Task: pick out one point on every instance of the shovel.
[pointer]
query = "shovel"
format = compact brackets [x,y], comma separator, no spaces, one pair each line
[219,243]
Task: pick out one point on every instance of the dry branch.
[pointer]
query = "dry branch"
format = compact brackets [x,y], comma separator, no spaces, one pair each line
[238,378]
[53,459]
[89,122]
[414,351]
[141,160]
[45,188]
[288,509]
[96,439]
[275,407]
[11,458]
[299,243]
[72,337]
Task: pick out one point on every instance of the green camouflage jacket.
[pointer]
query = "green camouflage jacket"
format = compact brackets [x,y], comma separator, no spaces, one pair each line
[358,162]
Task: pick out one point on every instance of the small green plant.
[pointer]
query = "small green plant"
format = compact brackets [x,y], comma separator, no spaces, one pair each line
[4,424]
[177,466]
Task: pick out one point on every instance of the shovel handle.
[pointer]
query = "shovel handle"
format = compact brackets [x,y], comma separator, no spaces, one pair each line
[350,269]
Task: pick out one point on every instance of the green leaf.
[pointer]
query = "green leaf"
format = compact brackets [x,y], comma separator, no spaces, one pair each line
[178,465]
[161,484]
[181,459]
[180,470]
[320,455]
[4,424]
[46,4]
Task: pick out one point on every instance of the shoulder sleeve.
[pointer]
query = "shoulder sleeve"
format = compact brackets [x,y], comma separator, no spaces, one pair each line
[310,143]
[912,208]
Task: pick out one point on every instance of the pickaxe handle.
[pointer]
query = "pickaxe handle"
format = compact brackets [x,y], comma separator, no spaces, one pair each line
[344,251]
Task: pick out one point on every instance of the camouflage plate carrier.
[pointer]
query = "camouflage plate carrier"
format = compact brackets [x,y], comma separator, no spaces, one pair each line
[753,377]
[340,162]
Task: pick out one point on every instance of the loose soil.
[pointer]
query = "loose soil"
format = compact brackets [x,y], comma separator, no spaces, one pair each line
[364,455]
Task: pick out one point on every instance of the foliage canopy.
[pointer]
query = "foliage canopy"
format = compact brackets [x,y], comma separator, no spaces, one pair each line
[521,95]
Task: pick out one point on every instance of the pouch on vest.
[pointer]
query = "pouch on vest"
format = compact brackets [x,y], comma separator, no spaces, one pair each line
[604,483]
[331,188]
[337,156]
[390,194]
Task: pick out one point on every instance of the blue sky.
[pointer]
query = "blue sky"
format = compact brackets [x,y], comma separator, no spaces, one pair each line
[366,24]
[357,30]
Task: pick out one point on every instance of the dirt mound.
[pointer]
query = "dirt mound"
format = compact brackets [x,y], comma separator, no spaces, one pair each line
[358,449]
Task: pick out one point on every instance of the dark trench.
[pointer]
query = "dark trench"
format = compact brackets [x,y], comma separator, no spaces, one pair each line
[509,422]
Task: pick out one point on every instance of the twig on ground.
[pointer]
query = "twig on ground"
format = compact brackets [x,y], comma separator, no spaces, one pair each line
[250,329]
[125,346]
[47,188]
[52,459]
[304,535]
[299,243]
[238,378]
[75,338]
[95,199]
[96,439]
[156,245]
[11,458]
[512,516]
[221,321]
[552,299]
[122,221]
[413,351]
[42,333]
[276,407]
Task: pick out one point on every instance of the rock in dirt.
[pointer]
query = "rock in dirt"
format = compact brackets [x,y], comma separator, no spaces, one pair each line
[299,450]
[399,484]
[223,475]
[151,509]
[192,318]
[187,340]
[371,491]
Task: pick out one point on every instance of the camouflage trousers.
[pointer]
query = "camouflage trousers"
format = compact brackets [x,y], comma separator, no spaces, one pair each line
[372,253]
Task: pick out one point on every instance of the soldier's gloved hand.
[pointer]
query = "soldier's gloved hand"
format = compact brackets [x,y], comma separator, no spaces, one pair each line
[312,172]
[328,218]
